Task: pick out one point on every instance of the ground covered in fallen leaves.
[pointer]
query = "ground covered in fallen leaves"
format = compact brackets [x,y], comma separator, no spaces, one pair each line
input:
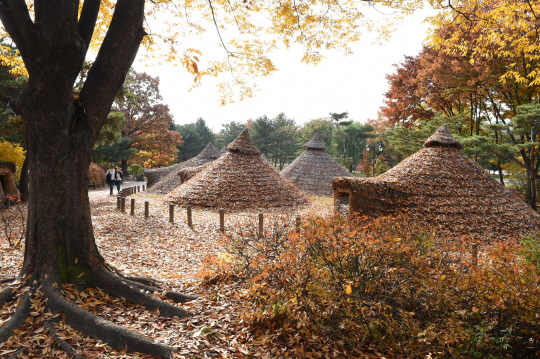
[172,253]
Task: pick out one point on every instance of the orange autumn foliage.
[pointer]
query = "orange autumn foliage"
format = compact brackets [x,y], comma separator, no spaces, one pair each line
[365,286]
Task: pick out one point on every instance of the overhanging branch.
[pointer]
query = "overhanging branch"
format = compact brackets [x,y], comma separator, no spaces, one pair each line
[114,60]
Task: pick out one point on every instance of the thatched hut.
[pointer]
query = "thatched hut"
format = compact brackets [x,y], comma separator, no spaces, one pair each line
[240,179]
[313,170]
[441,189]
[7,181]
[164,180]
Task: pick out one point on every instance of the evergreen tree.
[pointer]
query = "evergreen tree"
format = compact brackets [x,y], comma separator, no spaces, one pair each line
[262,132]
[228,133]
[193,143]
[204,132]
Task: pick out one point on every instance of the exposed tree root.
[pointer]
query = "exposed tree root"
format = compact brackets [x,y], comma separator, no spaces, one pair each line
[137,290]
[16,354]
[144,280]
[176,297]
[62,343]
[137,293]
[7,280]
[93,326]
[6,294]
[17,320]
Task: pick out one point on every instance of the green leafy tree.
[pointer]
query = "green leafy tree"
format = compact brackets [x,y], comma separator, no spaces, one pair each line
[228,133]
[350,135]
[263,131]
[519,142]
[205,133]
[195,137]
[285,143]
[192,142]
[323,128]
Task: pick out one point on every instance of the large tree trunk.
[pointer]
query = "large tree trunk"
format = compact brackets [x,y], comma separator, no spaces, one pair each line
[60,242]
[61,132]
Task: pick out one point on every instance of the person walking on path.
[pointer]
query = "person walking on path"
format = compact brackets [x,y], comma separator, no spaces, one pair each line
[113,176]
[119,180]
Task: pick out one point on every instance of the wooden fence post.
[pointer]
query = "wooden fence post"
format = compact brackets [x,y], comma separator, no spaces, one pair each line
[222,220]
[143,187]
[146,209]
[95,186]
[118,200]
[133,206]
[138,189]
[261,224]
[475,254]
[123,205]
[171,213]
[189,217]
[298,224]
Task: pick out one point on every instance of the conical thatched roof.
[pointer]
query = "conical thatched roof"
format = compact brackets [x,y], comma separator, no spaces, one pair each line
[441,189]
[243,144]
[265,158]
[168,178]
[313,170]
[314,144]
[223,151]
[240,179]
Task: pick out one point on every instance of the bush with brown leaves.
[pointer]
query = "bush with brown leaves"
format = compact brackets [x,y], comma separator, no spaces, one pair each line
[96,174]
[368,286]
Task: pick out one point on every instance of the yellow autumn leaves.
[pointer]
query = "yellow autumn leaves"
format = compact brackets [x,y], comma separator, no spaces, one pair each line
[12,152]
[492,29]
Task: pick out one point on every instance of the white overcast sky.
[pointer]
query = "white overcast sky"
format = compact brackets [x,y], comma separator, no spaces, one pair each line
[354,83]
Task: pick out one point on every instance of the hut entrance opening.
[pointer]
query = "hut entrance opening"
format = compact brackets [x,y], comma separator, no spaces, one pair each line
[342,204]
[7,182]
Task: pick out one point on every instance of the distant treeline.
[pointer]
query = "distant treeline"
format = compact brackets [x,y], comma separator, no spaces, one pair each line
[280,138]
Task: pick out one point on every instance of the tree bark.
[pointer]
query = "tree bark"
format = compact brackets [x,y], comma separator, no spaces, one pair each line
[533,190]
[60,241]
[23,181]
[61,132]
[501,177]
[124,167]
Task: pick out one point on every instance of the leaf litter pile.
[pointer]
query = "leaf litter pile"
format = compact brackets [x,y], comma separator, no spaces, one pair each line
[171,253]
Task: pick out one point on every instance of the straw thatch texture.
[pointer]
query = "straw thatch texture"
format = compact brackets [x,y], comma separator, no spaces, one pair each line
[153,176]
[7,181]
[313,170]
[243,144]
[239,180]
[186,174]
[441,189]
[170,180]
[265,158]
